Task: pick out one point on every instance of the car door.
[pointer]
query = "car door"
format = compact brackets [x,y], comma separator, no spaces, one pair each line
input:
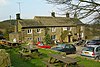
[67,49]
[98,51]
[72,49]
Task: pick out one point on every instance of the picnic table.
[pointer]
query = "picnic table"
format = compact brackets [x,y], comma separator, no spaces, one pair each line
[26,52]
[66,60]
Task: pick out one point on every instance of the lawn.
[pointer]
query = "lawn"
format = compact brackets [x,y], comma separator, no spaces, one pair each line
[88,63]
[17,61]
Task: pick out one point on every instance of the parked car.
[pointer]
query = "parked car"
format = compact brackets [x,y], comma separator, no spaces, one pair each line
[91,51]
[80,42]
[41,45]
[67,48]
[92,42]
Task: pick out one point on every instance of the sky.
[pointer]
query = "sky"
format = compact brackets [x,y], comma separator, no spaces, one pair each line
[28,9]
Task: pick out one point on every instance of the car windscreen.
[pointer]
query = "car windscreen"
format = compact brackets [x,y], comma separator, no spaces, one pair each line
[61,46]
[88,49]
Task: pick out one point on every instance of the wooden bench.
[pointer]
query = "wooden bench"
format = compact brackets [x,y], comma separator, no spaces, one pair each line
[66,60]
[48,64]
[26,52]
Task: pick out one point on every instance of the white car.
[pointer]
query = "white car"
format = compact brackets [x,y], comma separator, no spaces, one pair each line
[91,51]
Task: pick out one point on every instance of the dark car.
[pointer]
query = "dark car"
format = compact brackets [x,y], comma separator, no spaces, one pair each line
[80,42]
[68,48]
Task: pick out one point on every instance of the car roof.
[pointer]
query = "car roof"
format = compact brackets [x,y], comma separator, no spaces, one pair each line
[65,44]
[95,40]
[93,46]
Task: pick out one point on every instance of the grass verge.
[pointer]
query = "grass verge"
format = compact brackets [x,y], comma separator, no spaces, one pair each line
[17,61]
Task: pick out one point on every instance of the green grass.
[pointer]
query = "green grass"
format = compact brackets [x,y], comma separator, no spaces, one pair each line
[88,63]
[18,61]
[48,51]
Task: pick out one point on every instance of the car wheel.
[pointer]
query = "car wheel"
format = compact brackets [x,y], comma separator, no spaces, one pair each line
[97,58]
[66,53]
[74,52]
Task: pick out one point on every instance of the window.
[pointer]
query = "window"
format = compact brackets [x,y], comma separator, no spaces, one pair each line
[38,30]
[53,37]
[82,34]
[91,49]
[66,28]
[98,49]
[71,46]
[81,28]
[29,38]
[53,29]
[67,46]
[39,39]
[29,31]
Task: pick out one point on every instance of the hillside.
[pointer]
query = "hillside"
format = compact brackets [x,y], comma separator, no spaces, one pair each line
[7,24]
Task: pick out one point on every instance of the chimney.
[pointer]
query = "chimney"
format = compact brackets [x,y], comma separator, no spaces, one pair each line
[67,15]
[18,16]
[53,14]
[17,20]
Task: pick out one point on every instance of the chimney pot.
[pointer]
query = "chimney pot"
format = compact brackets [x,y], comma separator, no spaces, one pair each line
[53,14]
[18,16]
[67,15]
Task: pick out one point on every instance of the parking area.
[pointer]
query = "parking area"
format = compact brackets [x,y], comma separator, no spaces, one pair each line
[79,49]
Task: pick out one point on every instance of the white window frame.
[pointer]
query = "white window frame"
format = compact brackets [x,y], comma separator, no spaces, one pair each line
[82,34]
[38,31]
[81,28]
[66,28]
[53,29]
[53,37]
[29,31]
[39,39]
[29,38]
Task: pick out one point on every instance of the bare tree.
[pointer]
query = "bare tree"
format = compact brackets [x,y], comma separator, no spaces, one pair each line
[82,8]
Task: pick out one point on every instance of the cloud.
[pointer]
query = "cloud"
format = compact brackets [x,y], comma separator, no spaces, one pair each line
[3,2]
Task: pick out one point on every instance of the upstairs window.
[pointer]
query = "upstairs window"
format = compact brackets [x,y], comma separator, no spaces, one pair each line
[66,28]
[53,29]
[29,31]
[38,30]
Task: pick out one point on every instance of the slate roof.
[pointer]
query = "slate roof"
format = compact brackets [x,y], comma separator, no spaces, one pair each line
[44,21]
[28,22]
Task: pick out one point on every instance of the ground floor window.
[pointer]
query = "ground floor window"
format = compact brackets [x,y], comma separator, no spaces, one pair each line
[39,39]
[53,37]
[29,38]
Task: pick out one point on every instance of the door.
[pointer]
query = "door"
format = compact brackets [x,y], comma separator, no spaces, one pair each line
[67,49]
[98,51]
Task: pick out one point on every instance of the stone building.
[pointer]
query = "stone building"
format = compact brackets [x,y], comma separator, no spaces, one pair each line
[37,28]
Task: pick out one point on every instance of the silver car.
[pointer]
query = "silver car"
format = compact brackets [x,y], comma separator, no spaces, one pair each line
[91,51]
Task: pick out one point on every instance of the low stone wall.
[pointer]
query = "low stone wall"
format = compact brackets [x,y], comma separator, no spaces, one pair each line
[4,58]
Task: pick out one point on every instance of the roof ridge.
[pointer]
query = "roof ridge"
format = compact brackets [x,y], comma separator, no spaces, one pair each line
[50,17]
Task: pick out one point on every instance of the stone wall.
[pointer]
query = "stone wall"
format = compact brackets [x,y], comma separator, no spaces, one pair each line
[4,58]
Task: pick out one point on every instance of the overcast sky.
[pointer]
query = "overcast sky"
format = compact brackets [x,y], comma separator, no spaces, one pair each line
[29,8]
